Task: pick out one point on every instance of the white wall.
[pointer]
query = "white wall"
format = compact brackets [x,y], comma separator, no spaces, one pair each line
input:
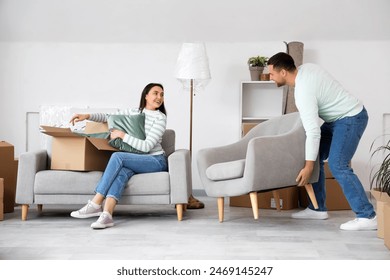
[113,75]
[101,53]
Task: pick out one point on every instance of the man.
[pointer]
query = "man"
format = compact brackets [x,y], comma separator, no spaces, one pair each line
[319,96]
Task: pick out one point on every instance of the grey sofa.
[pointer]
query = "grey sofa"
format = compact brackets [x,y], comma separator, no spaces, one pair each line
[37,184]
[269,157]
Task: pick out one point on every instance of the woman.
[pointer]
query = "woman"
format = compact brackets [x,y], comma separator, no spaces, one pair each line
[122,165]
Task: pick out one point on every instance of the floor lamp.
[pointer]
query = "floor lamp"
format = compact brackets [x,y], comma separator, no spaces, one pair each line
[192,68]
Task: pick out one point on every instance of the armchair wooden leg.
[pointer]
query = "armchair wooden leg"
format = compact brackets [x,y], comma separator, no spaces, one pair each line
[255,205]
[179,210]
[24,211]
[277,199]
[312,196]
[220,202]
[39,207]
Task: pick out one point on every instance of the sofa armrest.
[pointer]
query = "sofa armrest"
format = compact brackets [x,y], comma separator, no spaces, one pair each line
[29,164]
[180,175]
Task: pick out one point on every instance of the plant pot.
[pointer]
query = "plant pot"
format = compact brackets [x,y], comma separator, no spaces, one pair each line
[382,199]
[256,71]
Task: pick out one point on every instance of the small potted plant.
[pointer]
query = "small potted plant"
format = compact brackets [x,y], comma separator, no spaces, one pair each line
[256,66]
[380,189]
[380,175]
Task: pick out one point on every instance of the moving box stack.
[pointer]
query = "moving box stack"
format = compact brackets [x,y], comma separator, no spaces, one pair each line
[8,173]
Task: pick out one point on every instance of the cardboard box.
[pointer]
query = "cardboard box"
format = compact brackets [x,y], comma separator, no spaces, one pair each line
[386,226]
[71,151]
[328,174]
[95,127]
[335,198]
[381,200]
[8,171]
[288,198]
[1,199]
[248,126]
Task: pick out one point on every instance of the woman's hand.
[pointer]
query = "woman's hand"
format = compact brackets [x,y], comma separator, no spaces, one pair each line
[115,133]
[79,118]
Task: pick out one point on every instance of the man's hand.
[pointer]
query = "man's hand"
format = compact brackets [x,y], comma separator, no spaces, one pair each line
[305,174]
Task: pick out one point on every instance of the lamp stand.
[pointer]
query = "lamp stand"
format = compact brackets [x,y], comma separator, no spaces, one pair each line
[191,109]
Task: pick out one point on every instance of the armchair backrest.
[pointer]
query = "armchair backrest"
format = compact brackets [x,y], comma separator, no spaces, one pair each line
[168,141]
[276,126]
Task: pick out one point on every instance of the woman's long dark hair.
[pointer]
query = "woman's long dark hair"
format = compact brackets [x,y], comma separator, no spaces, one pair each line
[146,90]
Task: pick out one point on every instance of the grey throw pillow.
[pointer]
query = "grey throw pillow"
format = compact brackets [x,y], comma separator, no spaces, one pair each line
[133,125]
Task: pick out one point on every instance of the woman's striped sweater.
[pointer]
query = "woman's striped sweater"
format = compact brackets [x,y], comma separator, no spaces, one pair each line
[155,125]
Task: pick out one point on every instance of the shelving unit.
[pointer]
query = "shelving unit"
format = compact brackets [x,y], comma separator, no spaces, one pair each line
[259,101]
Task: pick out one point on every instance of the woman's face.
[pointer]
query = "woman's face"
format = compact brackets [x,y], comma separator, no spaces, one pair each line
[154,98]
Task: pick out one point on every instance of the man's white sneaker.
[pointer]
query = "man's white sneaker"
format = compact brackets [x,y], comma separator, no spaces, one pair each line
[310,215]
[360,224]
[88,211]
[105,220]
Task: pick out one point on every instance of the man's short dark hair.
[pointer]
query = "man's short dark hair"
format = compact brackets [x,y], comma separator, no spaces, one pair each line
[282,61]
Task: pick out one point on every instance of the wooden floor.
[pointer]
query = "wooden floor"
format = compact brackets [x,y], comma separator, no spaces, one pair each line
[150,233]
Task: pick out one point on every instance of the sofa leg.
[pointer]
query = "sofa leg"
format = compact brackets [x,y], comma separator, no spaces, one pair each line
[179,210]
[220,202]
[39,208]
[24,211]
[255,205]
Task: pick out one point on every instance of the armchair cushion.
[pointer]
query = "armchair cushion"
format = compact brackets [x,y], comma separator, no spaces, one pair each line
[226,170]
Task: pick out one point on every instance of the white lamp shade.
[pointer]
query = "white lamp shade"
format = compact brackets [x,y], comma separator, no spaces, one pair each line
[192,62]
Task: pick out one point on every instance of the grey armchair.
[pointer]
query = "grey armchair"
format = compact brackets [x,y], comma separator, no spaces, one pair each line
[269,157]
[36,184]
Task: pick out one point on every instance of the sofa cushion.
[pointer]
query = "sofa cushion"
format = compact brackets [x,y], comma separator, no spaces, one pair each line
[226,170]
[66,182]
[78,183]
[156,183]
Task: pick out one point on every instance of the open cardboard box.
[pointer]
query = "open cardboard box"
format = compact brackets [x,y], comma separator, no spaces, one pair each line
[72,151]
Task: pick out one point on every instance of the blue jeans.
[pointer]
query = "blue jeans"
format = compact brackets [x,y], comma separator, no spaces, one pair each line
[122,166]
[339,141]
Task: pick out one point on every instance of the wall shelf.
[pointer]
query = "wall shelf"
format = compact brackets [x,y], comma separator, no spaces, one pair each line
[259,101]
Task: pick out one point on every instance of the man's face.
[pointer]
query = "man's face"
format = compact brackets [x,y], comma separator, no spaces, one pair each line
[277,76]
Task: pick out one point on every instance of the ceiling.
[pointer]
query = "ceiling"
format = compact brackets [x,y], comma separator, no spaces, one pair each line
[118,21]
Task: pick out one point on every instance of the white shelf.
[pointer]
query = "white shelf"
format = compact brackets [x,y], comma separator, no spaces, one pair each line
[260,101]
[257,82]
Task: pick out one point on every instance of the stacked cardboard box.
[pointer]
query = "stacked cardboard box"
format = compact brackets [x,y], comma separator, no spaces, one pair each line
[288,199]
[1,199]
[72,151]
[335,198]
[8,171]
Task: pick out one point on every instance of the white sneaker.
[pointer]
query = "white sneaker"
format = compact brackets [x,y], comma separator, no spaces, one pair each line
[105,220]
[310,215]
[88,211]
[360,224]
